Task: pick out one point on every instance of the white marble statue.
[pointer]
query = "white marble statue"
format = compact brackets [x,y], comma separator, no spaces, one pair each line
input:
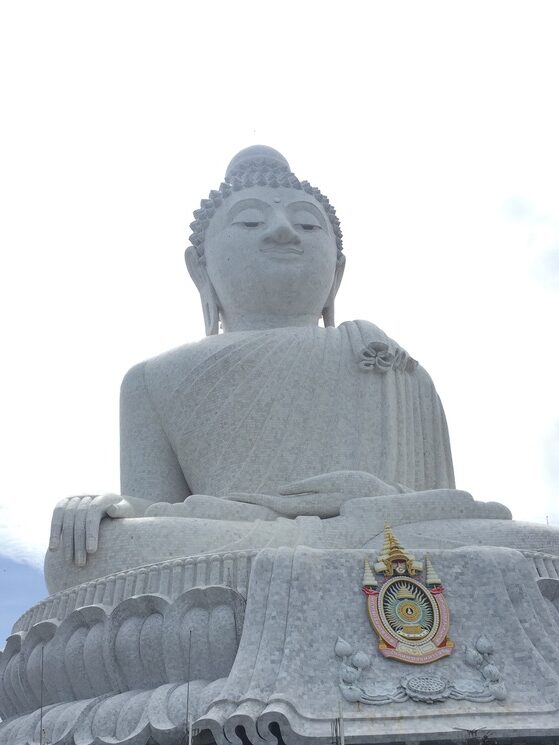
[259,467]
[276,430]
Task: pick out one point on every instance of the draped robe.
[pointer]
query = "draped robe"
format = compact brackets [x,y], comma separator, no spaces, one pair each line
[252,411]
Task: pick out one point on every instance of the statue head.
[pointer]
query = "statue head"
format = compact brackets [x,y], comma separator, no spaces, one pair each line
[265,242]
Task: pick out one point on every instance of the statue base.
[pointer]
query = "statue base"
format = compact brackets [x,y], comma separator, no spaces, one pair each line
[278,646]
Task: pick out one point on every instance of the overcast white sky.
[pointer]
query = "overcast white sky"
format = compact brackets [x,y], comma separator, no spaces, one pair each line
[433,127]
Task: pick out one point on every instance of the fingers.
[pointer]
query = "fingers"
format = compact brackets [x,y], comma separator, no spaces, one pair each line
[79,531]
[56,523]
[319,505]
[266,500]
[311,485]
[356,483]
[286,507]
[123,508]
[305,504]
[159,509]
[68,528]
[95,513]
[75,523]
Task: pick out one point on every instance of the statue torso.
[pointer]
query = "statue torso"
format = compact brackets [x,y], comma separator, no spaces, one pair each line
[250,411]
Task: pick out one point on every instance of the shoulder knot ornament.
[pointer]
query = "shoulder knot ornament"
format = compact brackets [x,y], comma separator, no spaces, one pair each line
[378,356]
[406,605]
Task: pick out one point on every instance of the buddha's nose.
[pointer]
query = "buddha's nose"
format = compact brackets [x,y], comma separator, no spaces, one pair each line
[282,232]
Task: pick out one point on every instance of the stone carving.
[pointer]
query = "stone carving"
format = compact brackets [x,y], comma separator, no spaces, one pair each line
[266,450]
[259,166]
[546,565]
[135,717]
[378,356]
[428,689]
[167,578]
[480,656]
[140,644]
[263,433]
[225,444]
[423,688]
[282,679]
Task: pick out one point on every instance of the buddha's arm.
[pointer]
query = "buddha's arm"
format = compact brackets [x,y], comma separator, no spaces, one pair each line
[149,467]
[150,473]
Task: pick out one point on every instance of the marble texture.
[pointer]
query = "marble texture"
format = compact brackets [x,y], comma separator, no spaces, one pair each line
[460,521]
[277,431]
[145,644]
[171,578]
[259,467]
[276,417]
[285,674]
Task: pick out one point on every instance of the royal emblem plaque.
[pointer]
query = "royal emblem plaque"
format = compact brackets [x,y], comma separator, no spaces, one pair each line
[406,605]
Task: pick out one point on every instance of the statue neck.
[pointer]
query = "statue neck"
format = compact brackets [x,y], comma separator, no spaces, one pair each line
[256,322]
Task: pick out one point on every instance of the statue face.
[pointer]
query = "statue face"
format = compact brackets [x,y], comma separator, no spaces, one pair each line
[270,250]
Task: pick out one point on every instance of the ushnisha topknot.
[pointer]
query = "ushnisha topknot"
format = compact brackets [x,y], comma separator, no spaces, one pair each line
[258,165]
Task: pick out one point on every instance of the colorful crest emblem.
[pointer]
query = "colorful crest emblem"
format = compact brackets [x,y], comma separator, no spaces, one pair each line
[406,604]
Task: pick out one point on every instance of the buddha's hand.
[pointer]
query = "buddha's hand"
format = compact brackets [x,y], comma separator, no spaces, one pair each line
[75,522]
[323,495]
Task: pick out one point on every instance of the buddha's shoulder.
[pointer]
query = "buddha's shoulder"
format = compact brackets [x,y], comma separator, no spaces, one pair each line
[374,339]
[369,332]
[163,370]
[162,373]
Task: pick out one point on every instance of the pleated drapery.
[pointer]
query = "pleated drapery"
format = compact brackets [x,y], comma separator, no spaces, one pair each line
[285,404]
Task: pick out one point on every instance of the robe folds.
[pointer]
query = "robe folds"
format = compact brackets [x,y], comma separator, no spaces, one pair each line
[252,411]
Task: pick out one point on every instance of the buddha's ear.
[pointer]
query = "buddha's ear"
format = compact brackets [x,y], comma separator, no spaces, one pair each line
[328,310]
[210,306]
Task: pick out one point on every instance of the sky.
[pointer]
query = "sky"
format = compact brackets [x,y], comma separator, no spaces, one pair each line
[432,127]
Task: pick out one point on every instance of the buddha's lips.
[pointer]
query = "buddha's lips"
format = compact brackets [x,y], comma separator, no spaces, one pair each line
[282,249]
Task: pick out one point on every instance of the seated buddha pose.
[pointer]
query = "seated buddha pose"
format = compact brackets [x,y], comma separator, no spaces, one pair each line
[277,431]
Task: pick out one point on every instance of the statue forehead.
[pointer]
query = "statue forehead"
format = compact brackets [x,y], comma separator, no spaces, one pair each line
[275,197]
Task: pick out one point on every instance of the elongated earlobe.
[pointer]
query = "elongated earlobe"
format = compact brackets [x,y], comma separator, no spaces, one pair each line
[211,317]
[328,310]
[210,305]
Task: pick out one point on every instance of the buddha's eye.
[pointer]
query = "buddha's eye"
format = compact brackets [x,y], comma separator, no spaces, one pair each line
[250,218]
[303,218]
[309,226]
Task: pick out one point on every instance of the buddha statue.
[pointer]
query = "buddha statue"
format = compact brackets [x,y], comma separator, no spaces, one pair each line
[278,431]
[275,477]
